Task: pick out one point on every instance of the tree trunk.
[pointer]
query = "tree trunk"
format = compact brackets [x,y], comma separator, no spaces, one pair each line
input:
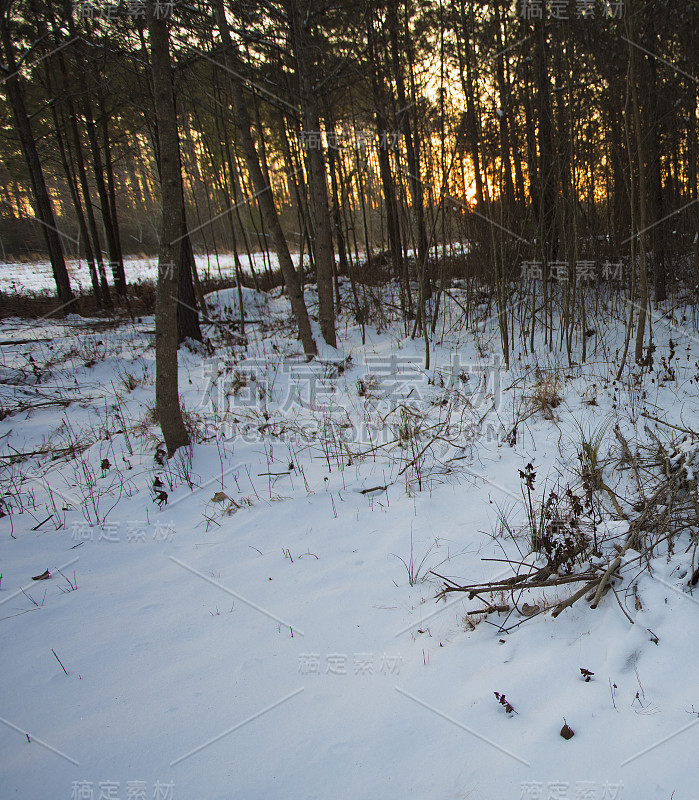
[84,185]
[547,188]
[503,93]
[118,263]
[44,210]
[77,205]
[323,254]
[410,135]
[187,305]
[463,39]
[167,397]
[400,265]
[642,197]
[102,192]
[263,189]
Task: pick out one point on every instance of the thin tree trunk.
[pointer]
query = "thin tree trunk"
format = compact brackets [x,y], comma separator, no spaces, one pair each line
[323,255]
[102,192]
[77,205]
[263,189]
[642,196]
[466,72]
[89,211]
[547,165]
[503,93]
[118,264]
[169,257]
[44,210]
[400,264]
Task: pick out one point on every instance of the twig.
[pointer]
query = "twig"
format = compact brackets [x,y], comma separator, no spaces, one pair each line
[73,584]
[28,596]
[59,661]
[626,614]
[613,498]
[534,584]
[635,526]
[413,461]
[521,622]
[443,578]
[669,424]
[26,611]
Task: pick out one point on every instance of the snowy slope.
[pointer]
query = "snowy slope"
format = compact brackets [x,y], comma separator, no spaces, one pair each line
[254,633]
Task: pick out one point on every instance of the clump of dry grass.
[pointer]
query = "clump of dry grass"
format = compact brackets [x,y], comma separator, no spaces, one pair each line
[545,395]
[142,428]
[367,386]
[130,381]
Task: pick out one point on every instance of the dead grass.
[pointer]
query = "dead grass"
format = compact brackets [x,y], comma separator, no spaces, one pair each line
[545,395]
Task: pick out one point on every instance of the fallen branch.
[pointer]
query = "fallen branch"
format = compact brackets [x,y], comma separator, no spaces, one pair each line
[522,583]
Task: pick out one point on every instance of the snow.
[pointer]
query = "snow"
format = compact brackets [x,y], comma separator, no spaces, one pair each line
[38,277]
[266,642]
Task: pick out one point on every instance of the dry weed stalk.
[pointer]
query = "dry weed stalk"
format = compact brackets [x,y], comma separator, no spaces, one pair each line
[663,511]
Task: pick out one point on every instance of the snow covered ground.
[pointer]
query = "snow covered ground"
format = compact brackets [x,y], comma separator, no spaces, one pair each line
[37,276]
[259,620]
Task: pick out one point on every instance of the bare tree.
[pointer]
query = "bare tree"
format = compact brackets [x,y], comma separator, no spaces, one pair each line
[167,397]
[301,19]
[43,208]
[641,193]
[262,188]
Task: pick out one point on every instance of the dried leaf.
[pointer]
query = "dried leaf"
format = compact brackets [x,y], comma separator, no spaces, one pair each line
[509,708]
[220,497]
[529,611]
[43,577]
[567,731]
